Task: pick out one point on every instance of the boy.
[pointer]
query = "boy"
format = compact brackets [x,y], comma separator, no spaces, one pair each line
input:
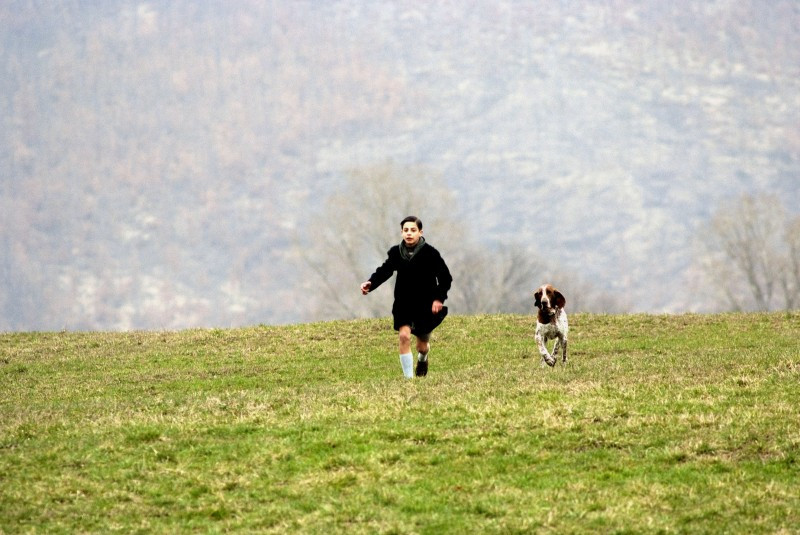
[423,281]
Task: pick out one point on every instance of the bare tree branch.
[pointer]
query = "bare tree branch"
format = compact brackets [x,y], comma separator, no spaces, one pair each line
[749,255]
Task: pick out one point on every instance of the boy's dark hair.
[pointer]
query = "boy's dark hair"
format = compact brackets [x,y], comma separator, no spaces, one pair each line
[412,219]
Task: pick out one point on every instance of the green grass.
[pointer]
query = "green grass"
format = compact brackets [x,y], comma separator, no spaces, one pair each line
[659,424]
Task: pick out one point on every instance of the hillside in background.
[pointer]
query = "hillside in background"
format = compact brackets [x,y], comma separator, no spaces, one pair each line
[158,159]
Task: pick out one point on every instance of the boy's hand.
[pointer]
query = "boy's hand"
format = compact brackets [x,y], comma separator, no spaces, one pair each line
[437,306]
[365,286]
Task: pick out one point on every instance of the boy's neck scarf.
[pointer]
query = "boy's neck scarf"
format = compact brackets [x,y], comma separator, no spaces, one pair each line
[407,253]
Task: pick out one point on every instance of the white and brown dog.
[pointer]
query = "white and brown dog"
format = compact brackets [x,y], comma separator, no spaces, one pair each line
[551,323]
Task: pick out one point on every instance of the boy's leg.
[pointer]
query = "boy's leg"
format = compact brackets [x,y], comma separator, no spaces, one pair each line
[406,358]
[423,343]
[423,347]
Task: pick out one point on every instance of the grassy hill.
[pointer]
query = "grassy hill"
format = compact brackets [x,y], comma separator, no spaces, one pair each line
[659,424]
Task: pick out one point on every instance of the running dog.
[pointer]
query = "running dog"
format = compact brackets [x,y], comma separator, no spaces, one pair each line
[551,323]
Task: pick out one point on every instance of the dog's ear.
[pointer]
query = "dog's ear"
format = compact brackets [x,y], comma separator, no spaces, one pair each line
[561,302]
[537,295]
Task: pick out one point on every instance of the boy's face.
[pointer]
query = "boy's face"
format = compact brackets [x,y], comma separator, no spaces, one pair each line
[411,234]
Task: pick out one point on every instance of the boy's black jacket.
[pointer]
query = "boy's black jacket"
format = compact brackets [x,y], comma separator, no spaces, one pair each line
[420,281]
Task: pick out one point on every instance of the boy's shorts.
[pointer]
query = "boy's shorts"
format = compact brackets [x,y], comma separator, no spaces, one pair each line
[420,327]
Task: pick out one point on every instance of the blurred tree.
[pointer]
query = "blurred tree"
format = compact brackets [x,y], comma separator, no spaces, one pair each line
[498,279]
[349,236]
[790,279]
[351,233]
[750,254]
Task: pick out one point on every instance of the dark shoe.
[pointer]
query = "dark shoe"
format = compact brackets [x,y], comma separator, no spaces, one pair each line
[422,368]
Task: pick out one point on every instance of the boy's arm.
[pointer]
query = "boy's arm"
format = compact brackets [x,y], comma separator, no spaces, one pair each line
[444,280]
[381,275]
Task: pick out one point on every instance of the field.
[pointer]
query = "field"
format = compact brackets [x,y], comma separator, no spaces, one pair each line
[659,424]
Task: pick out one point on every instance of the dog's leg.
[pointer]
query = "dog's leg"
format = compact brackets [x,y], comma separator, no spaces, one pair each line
[564,351]
[546,358]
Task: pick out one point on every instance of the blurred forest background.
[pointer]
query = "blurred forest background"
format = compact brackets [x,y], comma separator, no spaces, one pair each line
[170,164]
